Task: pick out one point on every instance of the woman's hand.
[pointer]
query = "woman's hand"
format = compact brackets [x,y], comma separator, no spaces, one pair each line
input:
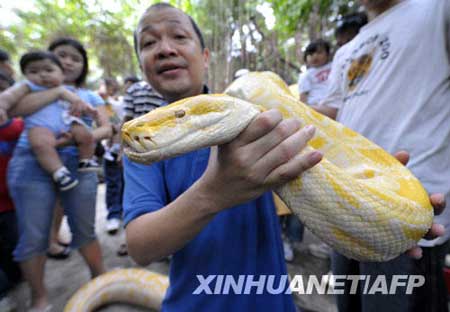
[77,105]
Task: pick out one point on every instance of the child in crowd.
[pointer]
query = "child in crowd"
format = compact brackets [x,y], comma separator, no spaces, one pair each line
[312,84]
[108,91]
[43,70]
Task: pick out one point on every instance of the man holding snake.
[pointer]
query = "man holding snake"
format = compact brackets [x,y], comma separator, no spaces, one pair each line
[212,208]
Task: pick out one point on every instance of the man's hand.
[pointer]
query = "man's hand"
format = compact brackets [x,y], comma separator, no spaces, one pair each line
[264,156]
[438,203]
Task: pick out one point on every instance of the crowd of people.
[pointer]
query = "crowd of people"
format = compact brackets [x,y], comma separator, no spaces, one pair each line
[212,210]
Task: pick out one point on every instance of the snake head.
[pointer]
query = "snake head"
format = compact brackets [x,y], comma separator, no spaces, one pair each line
[186,125]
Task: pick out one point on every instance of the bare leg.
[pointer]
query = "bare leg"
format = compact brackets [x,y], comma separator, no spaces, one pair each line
[92,255]
[33,272]
[85,141]
[58,214]
[43,143]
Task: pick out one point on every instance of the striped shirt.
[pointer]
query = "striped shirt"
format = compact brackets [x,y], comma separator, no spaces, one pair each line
[141,98]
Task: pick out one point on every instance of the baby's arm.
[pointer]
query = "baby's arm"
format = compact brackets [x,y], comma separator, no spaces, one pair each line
[78,106]
[11,97]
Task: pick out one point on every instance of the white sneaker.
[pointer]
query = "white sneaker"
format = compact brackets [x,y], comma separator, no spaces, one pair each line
[288,252]
[112,225]
[321,250]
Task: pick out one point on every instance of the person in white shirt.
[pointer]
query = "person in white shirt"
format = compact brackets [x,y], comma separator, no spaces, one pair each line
[391,83]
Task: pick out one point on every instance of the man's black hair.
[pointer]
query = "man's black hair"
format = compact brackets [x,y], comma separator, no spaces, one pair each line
[38,55]
[351,23]
[79,47]
[132,79]
[315,46]
[162,5]
[4,56]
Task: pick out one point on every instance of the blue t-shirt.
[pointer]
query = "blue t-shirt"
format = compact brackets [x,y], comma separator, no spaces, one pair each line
[51,115]
[242,240]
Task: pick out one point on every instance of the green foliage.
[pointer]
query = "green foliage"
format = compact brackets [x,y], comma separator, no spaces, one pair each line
[234,30]
[294,15]
[106,33]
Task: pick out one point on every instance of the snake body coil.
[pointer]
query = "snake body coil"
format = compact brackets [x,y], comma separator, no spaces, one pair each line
[133,286]
[359,199]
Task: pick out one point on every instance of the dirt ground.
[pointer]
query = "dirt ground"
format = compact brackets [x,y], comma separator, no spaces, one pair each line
[64,278]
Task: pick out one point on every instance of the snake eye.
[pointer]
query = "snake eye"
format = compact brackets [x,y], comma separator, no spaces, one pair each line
[180,113]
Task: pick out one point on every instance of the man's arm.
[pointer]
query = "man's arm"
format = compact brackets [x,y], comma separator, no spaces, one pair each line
[304,97]
[304,87]
[328,111]
[262,157]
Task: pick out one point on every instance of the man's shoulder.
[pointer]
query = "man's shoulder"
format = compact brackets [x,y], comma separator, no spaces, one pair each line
[343,52]
[139,86]
[142,88]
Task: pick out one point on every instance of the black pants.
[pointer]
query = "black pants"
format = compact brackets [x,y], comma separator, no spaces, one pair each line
[9,270]
[431,297]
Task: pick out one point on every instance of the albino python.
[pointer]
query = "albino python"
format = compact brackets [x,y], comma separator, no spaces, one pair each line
[359,199]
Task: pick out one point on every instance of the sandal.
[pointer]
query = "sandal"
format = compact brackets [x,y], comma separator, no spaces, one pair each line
[63,244]
[63,254]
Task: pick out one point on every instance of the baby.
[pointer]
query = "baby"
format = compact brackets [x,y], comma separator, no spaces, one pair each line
[44,71]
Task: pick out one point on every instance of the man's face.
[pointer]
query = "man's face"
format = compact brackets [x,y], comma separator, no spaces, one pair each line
[170,53]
